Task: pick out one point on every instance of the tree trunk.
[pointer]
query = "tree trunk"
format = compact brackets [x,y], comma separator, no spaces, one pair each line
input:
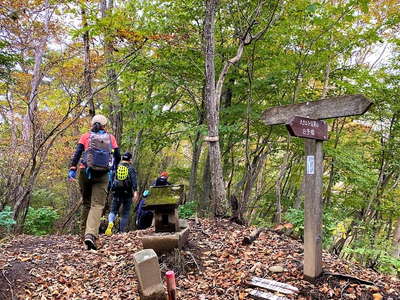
[87,73]
[205,200]
[30,117]
[218,194]
[338,131]
[278,185]
[115,104]
[192,195]
[396,240]
[23,191]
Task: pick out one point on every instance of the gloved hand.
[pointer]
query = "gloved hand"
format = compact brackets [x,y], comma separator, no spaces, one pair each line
[71,174]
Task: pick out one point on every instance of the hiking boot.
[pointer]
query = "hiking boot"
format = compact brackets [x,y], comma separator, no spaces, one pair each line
[90,241]
[109,229]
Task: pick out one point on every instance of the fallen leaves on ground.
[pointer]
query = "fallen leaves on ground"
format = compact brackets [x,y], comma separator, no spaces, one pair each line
[214,265]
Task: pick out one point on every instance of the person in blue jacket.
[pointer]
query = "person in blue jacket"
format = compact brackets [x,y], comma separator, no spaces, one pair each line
[144,218]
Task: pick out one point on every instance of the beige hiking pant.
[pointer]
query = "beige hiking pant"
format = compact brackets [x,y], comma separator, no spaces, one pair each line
[94,196]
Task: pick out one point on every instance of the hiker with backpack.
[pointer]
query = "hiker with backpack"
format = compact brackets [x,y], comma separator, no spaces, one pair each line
[144,218]
[124,191]
[99,152]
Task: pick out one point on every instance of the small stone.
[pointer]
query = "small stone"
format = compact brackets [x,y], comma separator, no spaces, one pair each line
[276,269]
[256,266]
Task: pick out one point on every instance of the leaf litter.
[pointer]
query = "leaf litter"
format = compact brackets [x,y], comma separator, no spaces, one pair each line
[213,265]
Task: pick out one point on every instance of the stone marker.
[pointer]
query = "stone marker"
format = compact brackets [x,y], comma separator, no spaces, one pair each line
[149,275]
[164,242]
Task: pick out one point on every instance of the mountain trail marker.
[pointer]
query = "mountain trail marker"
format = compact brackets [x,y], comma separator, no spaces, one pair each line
[304,120]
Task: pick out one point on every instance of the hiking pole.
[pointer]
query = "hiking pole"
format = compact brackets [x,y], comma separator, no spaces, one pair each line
[171,285]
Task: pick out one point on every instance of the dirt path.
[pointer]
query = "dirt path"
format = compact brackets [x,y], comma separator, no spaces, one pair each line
[213,266]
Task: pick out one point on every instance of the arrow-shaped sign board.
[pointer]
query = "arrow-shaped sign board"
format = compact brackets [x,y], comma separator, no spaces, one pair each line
[342,106]
[308,128]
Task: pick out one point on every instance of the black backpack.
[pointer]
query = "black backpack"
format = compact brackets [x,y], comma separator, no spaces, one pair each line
[122,181]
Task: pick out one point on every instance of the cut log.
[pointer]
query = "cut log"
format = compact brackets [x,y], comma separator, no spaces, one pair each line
[265,296]
[273,285]
[247,240]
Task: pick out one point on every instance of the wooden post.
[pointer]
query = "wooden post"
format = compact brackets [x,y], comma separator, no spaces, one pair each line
[171,285]
[312,209]
[304,120]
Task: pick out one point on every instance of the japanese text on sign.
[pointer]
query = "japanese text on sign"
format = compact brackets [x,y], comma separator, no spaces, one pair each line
[308,131]
[310,123]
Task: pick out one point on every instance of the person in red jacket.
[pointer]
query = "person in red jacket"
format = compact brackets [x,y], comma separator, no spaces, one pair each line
[96,153]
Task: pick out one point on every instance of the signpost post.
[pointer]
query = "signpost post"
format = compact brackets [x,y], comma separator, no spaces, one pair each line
[298,122]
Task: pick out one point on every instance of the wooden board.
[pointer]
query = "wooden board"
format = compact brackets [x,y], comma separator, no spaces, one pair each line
[164,195]
[273,285]
[265,296]
[308,128]
[334,107]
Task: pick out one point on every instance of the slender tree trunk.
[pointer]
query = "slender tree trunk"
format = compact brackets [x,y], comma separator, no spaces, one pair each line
[23,190]
[204,203]
[338,127]
[197,143]
[256,168]
[278,185]
[87,73]
[218,194]
[30,118]
[115,104]
[197,147]
[136,148]
[396,240]
[300,195]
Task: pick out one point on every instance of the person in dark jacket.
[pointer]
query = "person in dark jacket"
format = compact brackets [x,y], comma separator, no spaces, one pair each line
[124,191]
[144,218]
[98,150]
[162,180]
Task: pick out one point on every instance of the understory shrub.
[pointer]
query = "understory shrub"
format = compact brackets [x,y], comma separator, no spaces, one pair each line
[329,223]
[6,220]
[40,221]
[187,210]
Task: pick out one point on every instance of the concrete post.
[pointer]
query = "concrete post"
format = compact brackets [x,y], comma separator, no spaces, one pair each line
[149,275]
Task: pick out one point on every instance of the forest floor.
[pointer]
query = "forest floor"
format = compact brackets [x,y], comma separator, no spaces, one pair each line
[214,265]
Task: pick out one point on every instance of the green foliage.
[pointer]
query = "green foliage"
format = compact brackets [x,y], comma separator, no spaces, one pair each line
[7,60]
[295,217]
[6,219]
[40,221]
[329,219]
[45,197]
[187,210]
[376,258]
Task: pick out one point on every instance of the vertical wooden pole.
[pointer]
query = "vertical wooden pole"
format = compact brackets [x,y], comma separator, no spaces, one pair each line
[312,209]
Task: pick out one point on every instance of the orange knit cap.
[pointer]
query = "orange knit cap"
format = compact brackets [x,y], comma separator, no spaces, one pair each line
[164,174]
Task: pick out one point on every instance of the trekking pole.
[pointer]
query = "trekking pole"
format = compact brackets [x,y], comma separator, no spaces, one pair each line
[171,285]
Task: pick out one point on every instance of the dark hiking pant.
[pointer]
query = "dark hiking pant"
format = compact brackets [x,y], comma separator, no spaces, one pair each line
[124,200]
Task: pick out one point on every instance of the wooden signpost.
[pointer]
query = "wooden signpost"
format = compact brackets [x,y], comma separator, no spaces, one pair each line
[303,120]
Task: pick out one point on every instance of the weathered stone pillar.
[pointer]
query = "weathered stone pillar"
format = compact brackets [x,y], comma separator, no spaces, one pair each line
[149,275]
